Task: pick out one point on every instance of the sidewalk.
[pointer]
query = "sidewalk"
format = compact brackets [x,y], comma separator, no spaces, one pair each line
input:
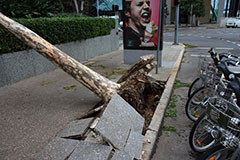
[35,110]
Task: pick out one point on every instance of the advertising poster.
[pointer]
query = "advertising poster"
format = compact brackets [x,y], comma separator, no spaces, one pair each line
[140,24]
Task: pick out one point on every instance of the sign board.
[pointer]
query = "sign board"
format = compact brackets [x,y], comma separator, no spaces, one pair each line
[140,30]
[141,24]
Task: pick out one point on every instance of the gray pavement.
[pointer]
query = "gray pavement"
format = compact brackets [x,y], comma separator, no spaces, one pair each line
[35,110]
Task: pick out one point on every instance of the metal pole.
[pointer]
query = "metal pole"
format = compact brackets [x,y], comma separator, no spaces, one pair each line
[98,8]
[226,9]
[176,26]
[159,46]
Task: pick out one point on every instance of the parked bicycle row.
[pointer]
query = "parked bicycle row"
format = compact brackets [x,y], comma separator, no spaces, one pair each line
[214,105]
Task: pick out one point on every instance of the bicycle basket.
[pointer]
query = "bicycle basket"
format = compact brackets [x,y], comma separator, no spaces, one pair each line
[226,118]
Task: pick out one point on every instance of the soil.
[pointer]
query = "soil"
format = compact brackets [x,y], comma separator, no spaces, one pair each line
[152,97]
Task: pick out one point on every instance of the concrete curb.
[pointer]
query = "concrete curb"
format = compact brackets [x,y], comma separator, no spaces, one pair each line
[151,135]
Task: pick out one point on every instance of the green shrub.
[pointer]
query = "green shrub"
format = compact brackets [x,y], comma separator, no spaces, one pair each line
[57,30]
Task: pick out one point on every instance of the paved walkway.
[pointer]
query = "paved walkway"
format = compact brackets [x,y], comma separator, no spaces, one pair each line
[35,110]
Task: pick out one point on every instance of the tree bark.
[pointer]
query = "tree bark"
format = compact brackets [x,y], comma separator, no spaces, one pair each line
[144,60]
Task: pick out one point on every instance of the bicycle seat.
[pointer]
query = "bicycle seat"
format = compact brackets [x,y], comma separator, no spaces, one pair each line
[231,62]
[228,70]
[224,55]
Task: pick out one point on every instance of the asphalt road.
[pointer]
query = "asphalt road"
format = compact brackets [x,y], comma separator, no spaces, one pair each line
[173,141]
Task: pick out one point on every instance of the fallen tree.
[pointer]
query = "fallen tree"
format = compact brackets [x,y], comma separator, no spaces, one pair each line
[134,86]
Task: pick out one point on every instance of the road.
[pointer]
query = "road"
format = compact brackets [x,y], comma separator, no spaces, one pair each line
[220,38]
[173,140]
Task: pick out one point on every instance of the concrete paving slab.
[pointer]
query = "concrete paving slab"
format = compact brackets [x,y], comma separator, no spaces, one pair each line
[134,144]
[117,121]
[57,149]
[121,155]
[76,128]
[91,151]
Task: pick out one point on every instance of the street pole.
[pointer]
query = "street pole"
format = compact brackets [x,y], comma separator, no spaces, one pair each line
[98,8]
[176,25]
[160,36]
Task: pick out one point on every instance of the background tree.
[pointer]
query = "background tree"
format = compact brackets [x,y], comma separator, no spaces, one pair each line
[30,8]
[185,9]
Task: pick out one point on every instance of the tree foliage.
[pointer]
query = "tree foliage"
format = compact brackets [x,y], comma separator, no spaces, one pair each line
[30,8]
[198,7]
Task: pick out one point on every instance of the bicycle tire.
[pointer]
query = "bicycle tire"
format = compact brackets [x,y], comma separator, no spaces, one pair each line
[202,141]
[218,152]
[194,86]
[194,107]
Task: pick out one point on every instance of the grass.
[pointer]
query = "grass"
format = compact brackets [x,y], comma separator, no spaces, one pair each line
[120,70]
[102,66]
[167,134]
[69,87]
[115,71]
[178,84]
[189,46]
[168,128]
[171,111]
[109,74]
[173,98]
[148,119]
[28,95]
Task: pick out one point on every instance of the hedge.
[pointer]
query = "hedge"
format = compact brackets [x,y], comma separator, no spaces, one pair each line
[57,30]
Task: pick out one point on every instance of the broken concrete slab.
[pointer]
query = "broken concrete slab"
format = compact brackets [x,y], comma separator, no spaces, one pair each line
[121,155]
[134,144]
[76,128]
[94,138]
[57,149]
[117,120]
[91,151]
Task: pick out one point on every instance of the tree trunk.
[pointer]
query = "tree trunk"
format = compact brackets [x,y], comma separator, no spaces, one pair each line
[76,6]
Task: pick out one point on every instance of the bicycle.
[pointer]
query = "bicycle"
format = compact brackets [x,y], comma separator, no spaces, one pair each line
[217,78]
[220,123]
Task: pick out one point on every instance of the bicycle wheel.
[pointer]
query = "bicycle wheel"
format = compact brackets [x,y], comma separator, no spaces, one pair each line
[195,105]
[219,152]
[196,84]
[200,139]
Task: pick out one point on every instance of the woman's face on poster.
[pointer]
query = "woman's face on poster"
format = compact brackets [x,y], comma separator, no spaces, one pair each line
[140,12]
